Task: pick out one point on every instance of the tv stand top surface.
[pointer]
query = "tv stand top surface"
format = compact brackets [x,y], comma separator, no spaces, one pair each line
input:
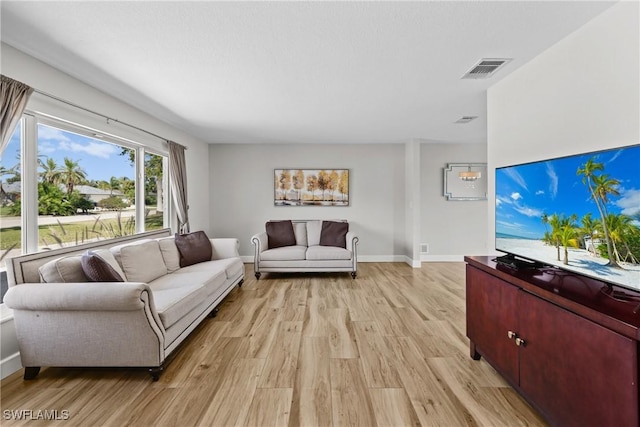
[613,307]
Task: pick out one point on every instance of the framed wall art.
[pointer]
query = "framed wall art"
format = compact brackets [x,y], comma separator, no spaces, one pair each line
[311,187]
[465,181]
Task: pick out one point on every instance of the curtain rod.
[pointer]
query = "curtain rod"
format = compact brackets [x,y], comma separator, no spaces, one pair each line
[99,114]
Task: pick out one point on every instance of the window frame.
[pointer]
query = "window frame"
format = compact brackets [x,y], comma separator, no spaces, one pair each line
[29,175]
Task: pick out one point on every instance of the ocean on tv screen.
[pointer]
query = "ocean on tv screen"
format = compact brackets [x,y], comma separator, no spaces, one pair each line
[580,212]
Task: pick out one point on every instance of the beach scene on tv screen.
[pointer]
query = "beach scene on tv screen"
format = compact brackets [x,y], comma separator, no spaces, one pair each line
[580,213]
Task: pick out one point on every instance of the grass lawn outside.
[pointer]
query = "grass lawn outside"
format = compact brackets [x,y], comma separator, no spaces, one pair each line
[53,236]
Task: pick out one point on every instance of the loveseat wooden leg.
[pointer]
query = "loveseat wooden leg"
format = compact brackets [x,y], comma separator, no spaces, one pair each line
[240,283]
[214,312]
[155,372]
[258,274]
[353,274]
[30,372]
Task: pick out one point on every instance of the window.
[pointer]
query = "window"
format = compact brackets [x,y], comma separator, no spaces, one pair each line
[10,195]
[86,188]
[64,185]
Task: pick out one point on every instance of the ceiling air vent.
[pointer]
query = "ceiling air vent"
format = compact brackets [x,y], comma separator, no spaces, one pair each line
[465,119]
[485,68]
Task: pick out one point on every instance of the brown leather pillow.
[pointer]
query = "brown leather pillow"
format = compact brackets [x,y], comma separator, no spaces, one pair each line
[97,269]
[334,233]
[280,233]
[193,247]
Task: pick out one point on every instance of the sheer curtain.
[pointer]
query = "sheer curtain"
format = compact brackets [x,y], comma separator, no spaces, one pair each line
[178,182]
[14,96]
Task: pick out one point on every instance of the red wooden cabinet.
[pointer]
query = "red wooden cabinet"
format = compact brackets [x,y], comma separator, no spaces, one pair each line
[569,350]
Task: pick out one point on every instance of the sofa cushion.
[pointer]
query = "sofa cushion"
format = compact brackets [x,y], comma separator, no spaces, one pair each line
[327,253]
[300,230]
[211,279]
[287,253]
[174,302]
[232,267]
[193,247]
[334,233]
[115,250]
[313,232]
[170,253]
[280,234]
[66,269]
[142,262]
[101,266]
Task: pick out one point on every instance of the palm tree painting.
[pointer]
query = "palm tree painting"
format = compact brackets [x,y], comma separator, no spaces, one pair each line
[311,187]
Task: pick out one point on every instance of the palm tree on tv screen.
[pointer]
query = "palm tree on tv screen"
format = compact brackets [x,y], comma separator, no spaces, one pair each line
[600,187]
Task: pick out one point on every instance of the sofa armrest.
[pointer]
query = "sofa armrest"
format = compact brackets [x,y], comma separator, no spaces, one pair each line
[260,241]
[224,248]
[94,296]
[352,241]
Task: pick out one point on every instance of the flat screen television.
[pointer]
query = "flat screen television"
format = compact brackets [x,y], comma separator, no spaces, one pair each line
[580,213]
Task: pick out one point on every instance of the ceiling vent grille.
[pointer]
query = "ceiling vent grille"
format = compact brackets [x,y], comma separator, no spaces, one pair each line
[485,68]
[465,119]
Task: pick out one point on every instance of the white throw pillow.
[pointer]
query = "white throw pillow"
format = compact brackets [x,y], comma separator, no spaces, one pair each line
[170,253]
[314,228]
[66,269]
[143,262]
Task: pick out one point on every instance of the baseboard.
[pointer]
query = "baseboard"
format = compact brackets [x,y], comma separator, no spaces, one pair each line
[9,365]
[361,258]
[441,258]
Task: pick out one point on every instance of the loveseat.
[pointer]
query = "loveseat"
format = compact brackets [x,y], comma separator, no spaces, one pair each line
[63,318]
[305,246]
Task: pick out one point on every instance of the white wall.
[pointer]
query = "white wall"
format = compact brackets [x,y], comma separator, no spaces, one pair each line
[451,228]
[24,68]
[580,95]
[242,192]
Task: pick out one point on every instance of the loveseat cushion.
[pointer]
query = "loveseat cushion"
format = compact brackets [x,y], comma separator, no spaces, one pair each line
[334,233]
[142,262]
[313,232]
[280,234]
[287,253]
[300,230]
[66,269]
[193,247]
[327,253]
[101,266]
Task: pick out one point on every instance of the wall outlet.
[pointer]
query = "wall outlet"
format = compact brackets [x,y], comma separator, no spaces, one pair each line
[424,248]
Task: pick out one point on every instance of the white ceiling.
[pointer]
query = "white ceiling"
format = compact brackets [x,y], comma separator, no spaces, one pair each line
[303,72]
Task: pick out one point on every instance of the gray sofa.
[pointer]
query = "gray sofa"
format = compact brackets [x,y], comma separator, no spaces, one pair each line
[71,322]
[306,251]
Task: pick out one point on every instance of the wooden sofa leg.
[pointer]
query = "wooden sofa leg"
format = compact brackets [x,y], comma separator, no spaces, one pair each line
[213,312]
[353,274]
[30,372]
[155,372]
[258,274]
[240,283]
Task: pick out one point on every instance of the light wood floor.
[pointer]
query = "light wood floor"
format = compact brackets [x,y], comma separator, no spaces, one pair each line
[386,349]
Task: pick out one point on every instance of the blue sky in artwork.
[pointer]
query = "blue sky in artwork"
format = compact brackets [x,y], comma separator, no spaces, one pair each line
[99,159]
[525,192]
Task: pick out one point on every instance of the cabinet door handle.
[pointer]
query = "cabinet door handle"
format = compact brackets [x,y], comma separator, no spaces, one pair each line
[511,335]
[520,342]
